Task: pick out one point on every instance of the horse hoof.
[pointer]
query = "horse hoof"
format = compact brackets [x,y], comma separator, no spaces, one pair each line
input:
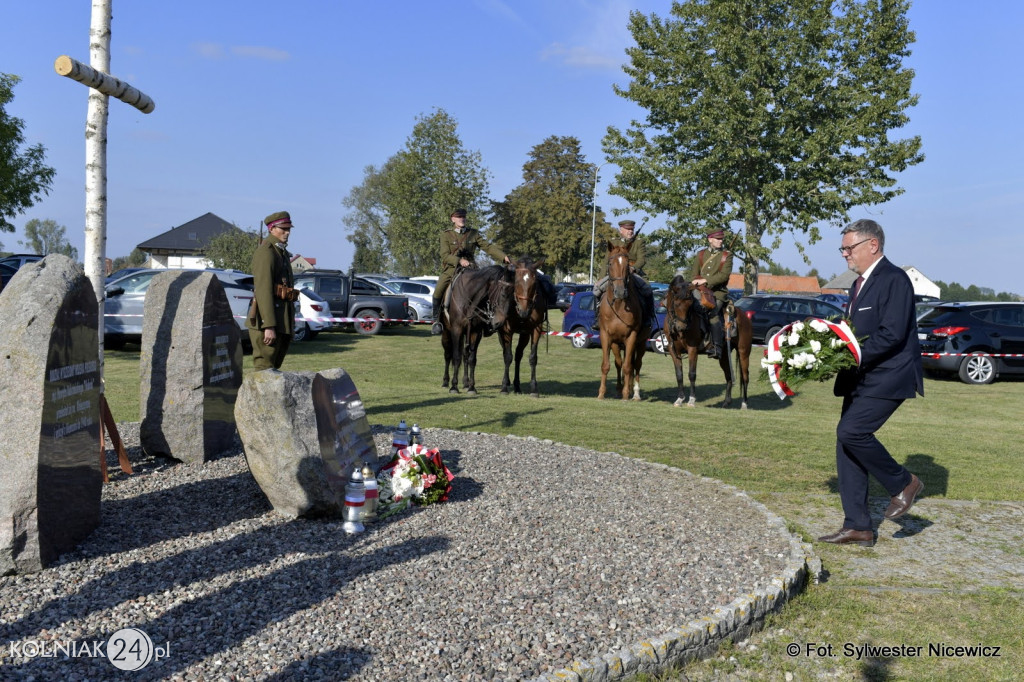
[678,403]
[471,391]
[504,391]
[453,390]
[743,406]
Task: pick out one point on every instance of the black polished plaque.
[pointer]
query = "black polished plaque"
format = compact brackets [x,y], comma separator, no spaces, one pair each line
[69,486]
[342,428]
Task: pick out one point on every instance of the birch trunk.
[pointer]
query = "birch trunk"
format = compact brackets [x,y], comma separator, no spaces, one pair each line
[96,163]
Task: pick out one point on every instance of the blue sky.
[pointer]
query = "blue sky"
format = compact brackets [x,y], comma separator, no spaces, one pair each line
[265,106]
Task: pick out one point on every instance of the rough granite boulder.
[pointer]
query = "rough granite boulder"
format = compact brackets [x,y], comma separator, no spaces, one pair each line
[50,477]
[302,469]
[190,367]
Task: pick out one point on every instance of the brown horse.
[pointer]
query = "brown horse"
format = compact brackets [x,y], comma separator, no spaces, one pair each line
[527,314]
[682,326]
[622,329]
[479,303]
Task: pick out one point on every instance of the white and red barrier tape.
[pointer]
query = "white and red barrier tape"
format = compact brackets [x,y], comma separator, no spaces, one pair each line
[562,334]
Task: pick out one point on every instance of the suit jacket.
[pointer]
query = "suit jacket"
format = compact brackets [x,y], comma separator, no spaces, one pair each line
[271,265]
[890,365]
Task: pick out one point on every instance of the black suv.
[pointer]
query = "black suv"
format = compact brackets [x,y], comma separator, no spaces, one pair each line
[769,313]
[950,332]
[565,293]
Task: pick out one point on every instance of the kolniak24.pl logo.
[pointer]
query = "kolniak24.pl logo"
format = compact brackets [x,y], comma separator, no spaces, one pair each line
[127,649]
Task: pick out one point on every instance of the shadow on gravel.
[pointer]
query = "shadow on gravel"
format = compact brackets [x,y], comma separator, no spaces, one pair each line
[150,518]
[203,626]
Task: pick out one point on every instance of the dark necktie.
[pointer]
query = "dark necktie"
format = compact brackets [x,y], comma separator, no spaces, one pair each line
[854,294]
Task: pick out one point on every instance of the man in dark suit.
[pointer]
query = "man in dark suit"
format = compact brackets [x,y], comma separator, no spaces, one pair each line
[882,309]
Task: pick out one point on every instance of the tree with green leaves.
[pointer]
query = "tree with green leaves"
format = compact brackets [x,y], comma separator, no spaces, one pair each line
[774,113]
[45,237]
[550,213]
[136,259]
[401,208]
[24,178]
[232,249]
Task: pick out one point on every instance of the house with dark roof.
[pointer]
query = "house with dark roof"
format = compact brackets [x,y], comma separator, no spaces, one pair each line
[184,246]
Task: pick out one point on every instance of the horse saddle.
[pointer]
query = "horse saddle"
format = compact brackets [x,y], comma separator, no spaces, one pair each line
[704,296]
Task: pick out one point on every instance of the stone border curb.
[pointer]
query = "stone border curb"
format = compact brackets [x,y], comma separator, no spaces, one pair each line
[699,638]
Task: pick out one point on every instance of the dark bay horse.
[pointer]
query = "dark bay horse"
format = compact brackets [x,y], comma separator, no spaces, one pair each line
[478,306]
[527,314]
[682,326]
[621,324]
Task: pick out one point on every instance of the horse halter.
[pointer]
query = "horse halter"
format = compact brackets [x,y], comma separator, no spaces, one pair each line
[528,300]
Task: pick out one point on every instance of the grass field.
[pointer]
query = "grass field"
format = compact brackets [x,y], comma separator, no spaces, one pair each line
[963,441]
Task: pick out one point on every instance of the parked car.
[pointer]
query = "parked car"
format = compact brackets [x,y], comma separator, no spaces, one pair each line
[126,297]
[582,314]
[355,297]
[421,307]
[312,316]
[566,292]
[17,260]
[6,272]
[950,332]
[411,287]
[838,300]
[118,274]
[769,313]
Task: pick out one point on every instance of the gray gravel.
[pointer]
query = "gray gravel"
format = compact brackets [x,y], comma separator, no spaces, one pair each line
[545,553]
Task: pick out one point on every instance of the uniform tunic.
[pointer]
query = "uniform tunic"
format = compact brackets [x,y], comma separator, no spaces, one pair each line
[271,265]
[714,265]
[466,242]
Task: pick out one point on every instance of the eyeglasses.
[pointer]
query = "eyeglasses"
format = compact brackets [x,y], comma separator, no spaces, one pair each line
[847,250]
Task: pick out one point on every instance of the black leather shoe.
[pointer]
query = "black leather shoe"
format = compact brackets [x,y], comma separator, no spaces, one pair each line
[901,504]
[846,536]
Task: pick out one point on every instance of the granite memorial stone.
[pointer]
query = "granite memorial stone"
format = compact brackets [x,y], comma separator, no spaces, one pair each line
[190,367]
[50,484]
[303,433]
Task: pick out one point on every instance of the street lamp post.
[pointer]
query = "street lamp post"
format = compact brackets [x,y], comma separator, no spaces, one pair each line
[593,222]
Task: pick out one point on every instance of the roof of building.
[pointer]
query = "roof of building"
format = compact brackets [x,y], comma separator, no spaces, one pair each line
[192,236]
[779,283]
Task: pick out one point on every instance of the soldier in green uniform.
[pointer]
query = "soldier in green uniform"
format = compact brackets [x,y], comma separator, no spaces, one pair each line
[627,237]
[458,249]
[271,319]
[712,267]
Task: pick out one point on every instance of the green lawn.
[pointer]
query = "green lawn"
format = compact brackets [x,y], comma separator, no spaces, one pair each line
[962,440]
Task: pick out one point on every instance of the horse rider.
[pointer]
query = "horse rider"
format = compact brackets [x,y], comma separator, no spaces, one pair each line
[712,267]
[458,250]
[628,237]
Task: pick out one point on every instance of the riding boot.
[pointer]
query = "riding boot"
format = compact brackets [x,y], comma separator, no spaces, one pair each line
[717,346]
[436,312]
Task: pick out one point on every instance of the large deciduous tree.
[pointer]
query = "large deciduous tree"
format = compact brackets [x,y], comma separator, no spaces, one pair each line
[24,178]
[551,213]
[400,209]
[776,113]
[45,237]
[136,259]
[232,249]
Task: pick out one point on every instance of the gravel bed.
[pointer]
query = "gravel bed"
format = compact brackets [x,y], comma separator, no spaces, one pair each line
[544,554]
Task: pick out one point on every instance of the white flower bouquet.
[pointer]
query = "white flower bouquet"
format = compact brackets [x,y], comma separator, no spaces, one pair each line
[415,475]
[812,350]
